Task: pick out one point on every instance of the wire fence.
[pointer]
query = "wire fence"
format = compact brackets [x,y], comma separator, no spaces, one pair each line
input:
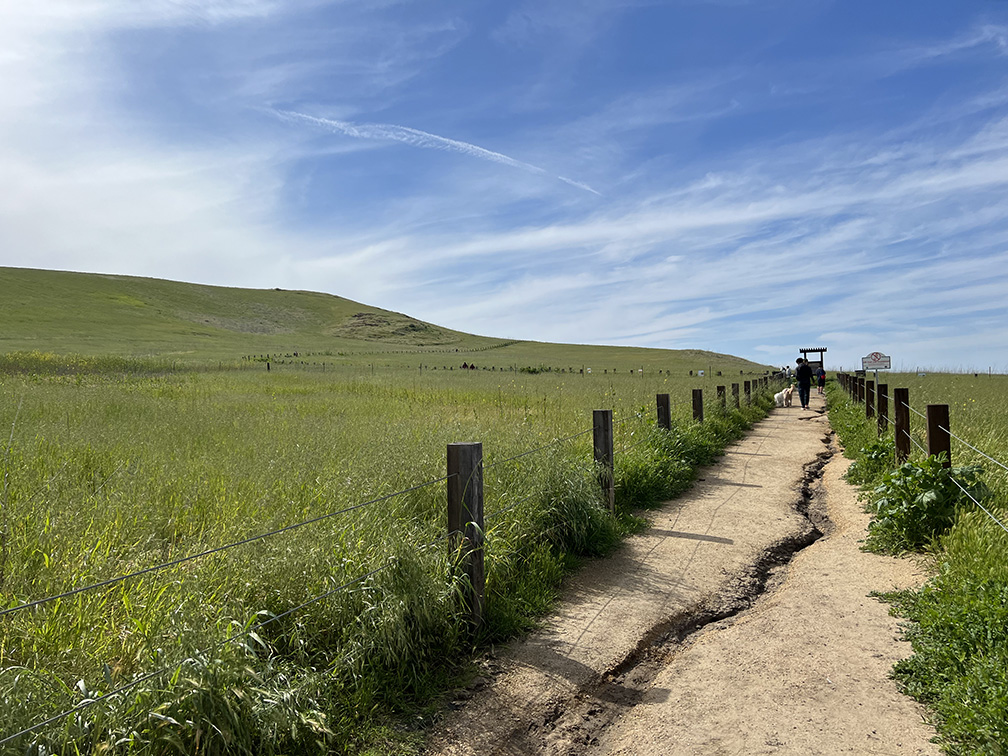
[856,395]
[244,632]
[544,447]
[973,448]
[215,550]
[251,629]
[986,511]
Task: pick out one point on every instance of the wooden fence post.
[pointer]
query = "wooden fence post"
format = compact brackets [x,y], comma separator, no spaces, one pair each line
[721,396]
[861,389]
[465,520]
[883,408]
[938,438]
[901,412]
[735,395]
[698,405]
[603,438]
[664,411]
[747,387]
[869,405]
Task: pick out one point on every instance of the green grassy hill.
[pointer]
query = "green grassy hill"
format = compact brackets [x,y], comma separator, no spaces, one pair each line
[91,314]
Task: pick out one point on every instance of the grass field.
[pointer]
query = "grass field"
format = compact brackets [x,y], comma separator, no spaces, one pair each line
[958,622]
[133,450]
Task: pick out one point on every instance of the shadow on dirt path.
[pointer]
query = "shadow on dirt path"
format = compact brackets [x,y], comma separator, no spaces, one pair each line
[655,650]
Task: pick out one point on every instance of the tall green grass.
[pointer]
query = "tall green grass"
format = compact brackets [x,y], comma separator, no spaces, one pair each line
[957,622]
[116,467]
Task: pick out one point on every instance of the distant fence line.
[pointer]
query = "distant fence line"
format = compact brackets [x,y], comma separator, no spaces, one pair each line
[298,359]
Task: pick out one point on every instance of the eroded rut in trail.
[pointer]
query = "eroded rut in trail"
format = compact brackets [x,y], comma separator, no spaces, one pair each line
[573,726]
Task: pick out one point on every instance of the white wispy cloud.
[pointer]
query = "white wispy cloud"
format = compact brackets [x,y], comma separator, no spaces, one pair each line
[421,139]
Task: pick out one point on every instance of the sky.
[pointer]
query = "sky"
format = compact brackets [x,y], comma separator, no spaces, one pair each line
[745,177]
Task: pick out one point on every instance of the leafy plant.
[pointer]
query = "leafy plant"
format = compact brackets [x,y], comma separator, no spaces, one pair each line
[873,462]
[917,502]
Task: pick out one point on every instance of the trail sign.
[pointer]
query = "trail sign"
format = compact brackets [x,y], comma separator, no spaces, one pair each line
[876,361]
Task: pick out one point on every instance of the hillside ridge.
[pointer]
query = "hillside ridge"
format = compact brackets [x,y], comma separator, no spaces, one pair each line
[75,313]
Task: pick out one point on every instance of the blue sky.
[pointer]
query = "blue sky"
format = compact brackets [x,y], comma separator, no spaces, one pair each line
[745,177]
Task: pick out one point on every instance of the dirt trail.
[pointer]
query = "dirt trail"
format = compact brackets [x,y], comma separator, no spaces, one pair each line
[693,638]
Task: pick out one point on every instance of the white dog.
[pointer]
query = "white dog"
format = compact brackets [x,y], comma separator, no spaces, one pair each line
[783,397]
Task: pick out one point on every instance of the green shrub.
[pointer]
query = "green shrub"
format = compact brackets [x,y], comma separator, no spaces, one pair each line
[917,502]
[872,462]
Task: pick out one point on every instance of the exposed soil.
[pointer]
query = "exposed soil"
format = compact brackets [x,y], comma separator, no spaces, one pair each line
[740,622]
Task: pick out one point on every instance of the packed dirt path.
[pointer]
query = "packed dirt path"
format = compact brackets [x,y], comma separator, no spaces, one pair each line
[698,637]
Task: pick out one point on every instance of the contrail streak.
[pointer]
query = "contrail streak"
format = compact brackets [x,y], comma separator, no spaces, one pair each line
[422,139]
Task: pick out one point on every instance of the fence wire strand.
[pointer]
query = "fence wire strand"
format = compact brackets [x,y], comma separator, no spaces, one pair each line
[962,488]
[946,430]
[220,644]
[552,443]
[916,443]
[509,507]
[966,443]
[985,510]
[218,549]
[625,449]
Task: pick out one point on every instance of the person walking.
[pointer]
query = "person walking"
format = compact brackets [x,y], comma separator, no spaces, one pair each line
[821,379]
[804,375]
